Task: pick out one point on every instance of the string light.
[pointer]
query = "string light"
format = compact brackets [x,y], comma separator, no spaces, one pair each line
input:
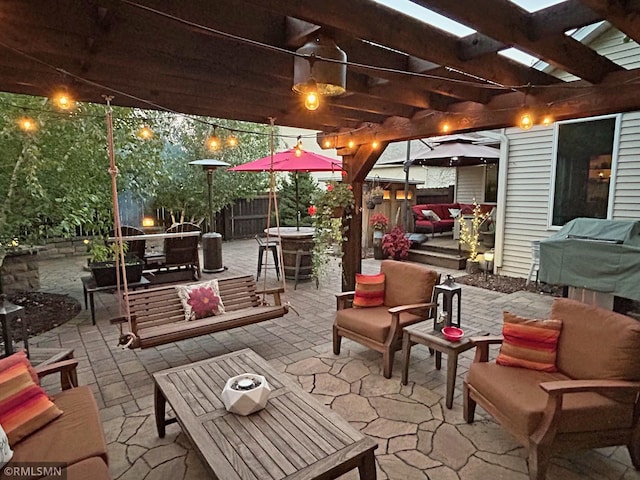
[351,144]
[445,127]
[213,142]
[145,132]
[312,100]
[327,143]
[526,121]
[27,124]
[375,144]
[547,120]
[297,150]
[63,100]
[232,141]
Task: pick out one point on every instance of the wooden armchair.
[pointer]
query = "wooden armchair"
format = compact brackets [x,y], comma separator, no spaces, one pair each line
[591,401]
[408,299]
[183,251]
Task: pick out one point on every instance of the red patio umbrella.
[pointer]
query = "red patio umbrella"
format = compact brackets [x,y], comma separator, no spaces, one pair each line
[292,161]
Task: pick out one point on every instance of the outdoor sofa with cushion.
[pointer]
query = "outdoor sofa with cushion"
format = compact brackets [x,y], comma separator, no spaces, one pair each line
[74,438]
[437,217]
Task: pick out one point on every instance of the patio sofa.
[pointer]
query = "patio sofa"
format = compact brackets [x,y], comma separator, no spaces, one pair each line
[74,439]
[437,217]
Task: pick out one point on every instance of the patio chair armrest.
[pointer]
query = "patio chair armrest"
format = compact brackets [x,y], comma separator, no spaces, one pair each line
[482,346]
[272,291]
[343,298]
[118,320]
[66,369]
[562,387]
[413,306]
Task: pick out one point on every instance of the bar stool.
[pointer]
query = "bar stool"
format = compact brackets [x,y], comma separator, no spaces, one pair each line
[263,245]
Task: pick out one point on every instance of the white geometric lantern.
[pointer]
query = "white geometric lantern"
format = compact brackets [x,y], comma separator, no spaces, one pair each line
[246,393]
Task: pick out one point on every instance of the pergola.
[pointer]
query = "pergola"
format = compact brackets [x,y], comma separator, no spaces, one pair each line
[211,57]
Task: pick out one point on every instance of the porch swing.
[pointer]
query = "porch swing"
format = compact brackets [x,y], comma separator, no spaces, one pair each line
[157,316]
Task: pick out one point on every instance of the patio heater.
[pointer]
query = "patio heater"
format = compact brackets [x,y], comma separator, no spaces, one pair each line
[211,241]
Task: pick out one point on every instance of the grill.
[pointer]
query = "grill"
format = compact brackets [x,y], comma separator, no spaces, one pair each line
[600,255]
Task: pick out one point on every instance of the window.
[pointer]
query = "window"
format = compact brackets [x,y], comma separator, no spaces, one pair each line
[584,156]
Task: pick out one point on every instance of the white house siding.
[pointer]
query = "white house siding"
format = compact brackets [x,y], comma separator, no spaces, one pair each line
[627,188]
[527,196]
[529,169]
[470,184]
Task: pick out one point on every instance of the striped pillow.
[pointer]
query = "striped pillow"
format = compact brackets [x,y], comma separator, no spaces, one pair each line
[529,343]
[369,290]
[24,406]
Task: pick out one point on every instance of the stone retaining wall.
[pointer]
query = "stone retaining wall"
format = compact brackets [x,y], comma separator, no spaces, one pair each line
[20,272]
[59,248]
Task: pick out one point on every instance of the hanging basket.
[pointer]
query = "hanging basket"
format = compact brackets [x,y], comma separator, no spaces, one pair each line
[377,199]
[370,204]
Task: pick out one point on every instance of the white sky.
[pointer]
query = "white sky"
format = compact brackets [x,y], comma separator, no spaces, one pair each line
[455,28]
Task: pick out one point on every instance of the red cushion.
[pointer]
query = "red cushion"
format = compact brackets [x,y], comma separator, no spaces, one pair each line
[369,290]
[204,302]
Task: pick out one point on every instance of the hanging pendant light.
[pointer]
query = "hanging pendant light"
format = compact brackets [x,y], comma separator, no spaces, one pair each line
[311,72]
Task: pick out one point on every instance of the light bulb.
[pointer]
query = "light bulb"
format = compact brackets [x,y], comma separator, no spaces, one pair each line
[64,101]
[547,120]
[445,127]
[232,141]
[327,143]
[312,100]
[27,124]
[213,142]
[145,132]
[351,143]
[526,121]
[374,144]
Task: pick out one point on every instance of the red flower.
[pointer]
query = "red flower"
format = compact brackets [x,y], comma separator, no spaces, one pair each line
[344,174]
[330,188]
[350,187]
[312,210]
[203,302]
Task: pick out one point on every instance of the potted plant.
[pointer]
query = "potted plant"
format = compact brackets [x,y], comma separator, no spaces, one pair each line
[395,244]
[377,195]
[332,207]
[379,222]
[470,237]
[103,260]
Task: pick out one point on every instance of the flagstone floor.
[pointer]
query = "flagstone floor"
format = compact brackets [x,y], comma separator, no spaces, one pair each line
[418,437]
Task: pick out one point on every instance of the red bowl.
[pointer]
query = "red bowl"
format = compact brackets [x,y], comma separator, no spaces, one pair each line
[453,334]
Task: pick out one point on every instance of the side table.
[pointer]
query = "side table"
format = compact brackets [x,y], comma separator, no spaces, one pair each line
[89,287]
[424,334]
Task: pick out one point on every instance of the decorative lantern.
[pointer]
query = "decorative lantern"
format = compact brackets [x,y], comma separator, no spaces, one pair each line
[246,393]
[448,289]
[9,312]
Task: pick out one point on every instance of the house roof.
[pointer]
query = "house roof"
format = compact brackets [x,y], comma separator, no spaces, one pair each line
[234,59]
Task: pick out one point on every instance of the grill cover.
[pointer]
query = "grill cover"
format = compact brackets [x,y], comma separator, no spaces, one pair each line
[601,255]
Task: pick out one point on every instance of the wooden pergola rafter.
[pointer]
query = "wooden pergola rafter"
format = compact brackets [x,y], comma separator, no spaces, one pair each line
[193,57]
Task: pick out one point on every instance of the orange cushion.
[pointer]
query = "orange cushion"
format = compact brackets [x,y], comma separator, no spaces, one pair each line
[19,357]
[24,406]
[407,283]
[373,323]
[529,343]
[369,290]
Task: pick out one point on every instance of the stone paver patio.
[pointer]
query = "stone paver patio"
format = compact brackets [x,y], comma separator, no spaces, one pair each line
[418,437]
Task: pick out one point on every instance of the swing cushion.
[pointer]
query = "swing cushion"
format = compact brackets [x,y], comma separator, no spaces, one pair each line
[200,300]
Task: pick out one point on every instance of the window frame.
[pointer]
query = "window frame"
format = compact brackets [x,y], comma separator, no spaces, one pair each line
[614,164]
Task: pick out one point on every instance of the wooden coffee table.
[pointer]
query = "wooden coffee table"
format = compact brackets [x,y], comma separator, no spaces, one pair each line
[424,334]
[294,437]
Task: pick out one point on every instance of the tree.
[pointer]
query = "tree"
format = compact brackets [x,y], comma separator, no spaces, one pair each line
[287,205]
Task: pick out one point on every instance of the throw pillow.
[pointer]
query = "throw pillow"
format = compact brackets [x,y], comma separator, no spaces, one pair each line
[369,290]
[24,406]
[16,358]
[6,453]
[431,215]
[454,212]
[200,300]
[529,343]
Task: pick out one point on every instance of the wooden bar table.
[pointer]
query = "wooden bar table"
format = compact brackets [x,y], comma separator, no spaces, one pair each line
[297,247]
[293,437]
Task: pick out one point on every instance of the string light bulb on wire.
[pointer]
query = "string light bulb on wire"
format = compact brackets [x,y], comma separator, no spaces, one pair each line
[213,142]
[547,120]
[297,150]
[27,124]
[232,141]
[63,100]
[145,132]
[526,120]
[311,96]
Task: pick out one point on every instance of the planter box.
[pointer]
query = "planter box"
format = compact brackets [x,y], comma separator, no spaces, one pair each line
[104,273]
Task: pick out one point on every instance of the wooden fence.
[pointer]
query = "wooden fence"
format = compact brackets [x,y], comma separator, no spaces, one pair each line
[244,219]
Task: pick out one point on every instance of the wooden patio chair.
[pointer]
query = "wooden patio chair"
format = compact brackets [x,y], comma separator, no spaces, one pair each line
[136,247]
[407,299]
[591,401]
[183,252]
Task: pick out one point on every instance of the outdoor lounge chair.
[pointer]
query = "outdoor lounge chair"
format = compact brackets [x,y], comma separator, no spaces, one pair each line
[590,401]
[182,252]
[408,299]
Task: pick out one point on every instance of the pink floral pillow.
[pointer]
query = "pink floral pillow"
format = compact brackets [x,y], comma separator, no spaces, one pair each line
[200,300]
